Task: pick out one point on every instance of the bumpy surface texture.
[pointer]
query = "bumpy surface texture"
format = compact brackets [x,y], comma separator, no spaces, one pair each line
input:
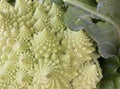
[37,50]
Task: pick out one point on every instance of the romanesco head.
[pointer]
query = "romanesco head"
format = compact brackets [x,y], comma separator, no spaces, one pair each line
[37,50]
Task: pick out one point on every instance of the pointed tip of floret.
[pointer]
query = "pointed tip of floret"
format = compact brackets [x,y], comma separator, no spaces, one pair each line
[23,6]
[5,7]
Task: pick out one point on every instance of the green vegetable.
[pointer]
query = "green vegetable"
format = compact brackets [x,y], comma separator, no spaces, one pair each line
[105,32]
[101,20]
[38,51]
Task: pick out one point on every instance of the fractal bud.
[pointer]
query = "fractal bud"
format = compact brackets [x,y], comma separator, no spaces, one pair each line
[38,51]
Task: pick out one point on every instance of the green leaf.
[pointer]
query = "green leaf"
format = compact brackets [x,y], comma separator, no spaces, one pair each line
[107,85]
[78,19]
[117,82]
[110,66]
[94,11]
[106,37]
[110,8]
[113,82]
[111,75]
[90,2]
[111,78]
[59,2]
[110,83]
[104,33]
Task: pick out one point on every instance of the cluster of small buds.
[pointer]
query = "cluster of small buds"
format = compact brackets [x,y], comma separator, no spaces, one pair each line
[38,51]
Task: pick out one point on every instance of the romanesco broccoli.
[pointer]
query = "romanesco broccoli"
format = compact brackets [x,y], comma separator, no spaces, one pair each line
[37,50]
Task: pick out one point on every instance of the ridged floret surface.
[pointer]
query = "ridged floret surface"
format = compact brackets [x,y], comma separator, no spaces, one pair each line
[37,50]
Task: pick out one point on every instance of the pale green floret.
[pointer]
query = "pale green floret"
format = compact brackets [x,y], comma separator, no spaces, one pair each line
[37,50]
[87,77]
[83,49]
